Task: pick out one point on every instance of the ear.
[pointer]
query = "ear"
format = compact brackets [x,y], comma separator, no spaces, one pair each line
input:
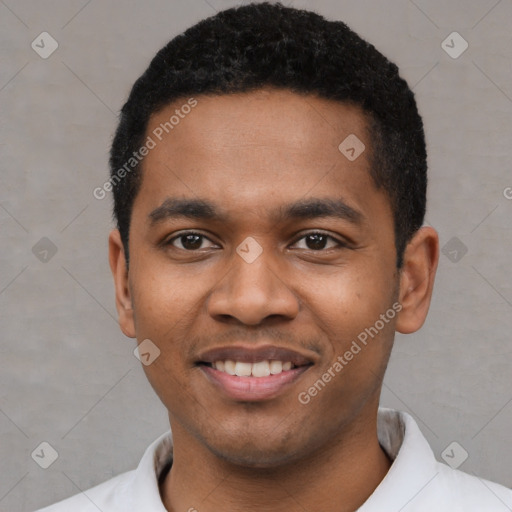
[417,279]
[120,273]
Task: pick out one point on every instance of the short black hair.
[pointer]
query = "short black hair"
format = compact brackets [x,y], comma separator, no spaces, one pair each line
[261,45]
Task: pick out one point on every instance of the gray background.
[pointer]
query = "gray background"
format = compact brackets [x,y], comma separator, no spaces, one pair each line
[67,374]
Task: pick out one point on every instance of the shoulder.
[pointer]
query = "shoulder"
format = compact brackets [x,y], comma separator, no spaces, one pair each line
[108,496]
[417,482]
[134,490]
[471,492]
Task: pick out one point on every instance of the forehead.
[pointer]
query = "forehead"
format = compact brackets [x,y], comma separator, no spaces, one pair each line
[303,124]
[252,151]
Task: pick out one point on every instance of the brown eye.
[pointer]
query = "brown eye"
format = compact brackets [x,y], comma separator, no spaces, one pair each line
[319,241]
[188,241]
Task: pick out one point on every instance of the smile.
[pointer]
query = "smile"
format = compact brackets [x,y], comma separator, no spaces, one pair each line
[251,374]
[249,388]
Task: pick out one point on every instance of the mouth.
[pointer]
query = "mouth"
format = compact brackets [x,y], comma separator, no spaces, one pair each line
[253,374]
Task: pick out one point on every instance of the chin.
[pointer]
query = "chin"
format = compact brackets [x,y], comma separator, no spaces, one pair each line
[256,459]
[258,453]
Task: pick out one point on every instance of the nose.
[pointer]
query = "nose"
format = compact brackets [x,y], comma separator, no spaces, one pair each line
[252,292]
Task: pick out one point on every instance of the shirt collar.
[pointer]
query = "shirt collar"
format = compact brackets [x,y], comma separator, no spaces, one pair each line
[144,489]
[414,464]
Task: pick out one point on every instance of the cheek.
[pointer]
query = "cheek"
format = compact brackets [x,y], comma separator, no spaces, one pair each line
[360,339]
[166,376]
[163,297]
[352,300]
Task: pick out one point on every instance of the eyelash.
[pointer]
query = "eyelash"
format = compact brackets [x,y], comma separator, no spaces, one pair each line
[340,244]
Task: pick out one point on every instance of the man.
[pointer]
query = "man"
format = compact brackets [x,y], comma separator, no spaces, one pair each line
[269,179]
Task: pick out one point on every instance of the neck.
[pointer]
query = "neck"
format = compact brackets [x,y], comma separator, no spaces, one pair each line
[338,478]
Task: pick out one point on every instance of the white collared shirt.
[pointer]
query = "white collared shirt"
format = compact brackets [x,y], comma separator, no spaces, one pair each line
[416,481]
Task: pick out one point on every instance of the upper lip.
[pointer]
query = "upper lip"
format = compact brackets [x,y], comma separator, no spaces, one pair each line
[254,355]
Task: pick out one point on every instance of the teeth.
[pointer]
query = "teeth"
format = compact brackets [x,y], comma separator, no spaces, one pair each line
[243,369]
[229,367]
[259,369]
[276,367]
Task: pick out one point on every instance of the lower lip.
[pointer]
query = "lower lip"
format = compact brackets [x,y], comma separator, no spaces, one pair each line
[252,389]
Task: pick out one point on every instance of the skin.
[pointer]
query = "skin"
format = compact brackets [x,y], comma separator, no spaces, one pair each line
[251,154]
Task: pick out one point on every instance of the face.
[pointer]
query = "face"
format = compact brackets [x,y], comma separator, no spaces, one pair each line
[256,243]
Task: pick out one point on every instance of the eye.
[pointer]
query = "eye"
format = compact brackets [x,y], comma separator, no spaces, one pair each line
[317,241]
[188,241]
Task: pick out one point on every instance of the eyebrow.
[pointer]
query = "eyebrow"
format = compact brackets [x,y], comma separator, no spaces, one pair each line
[310,208]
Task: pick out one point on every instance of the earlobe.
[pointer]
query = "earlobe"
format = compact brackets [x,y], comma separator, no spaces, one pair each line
[119,270]
[417,279]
